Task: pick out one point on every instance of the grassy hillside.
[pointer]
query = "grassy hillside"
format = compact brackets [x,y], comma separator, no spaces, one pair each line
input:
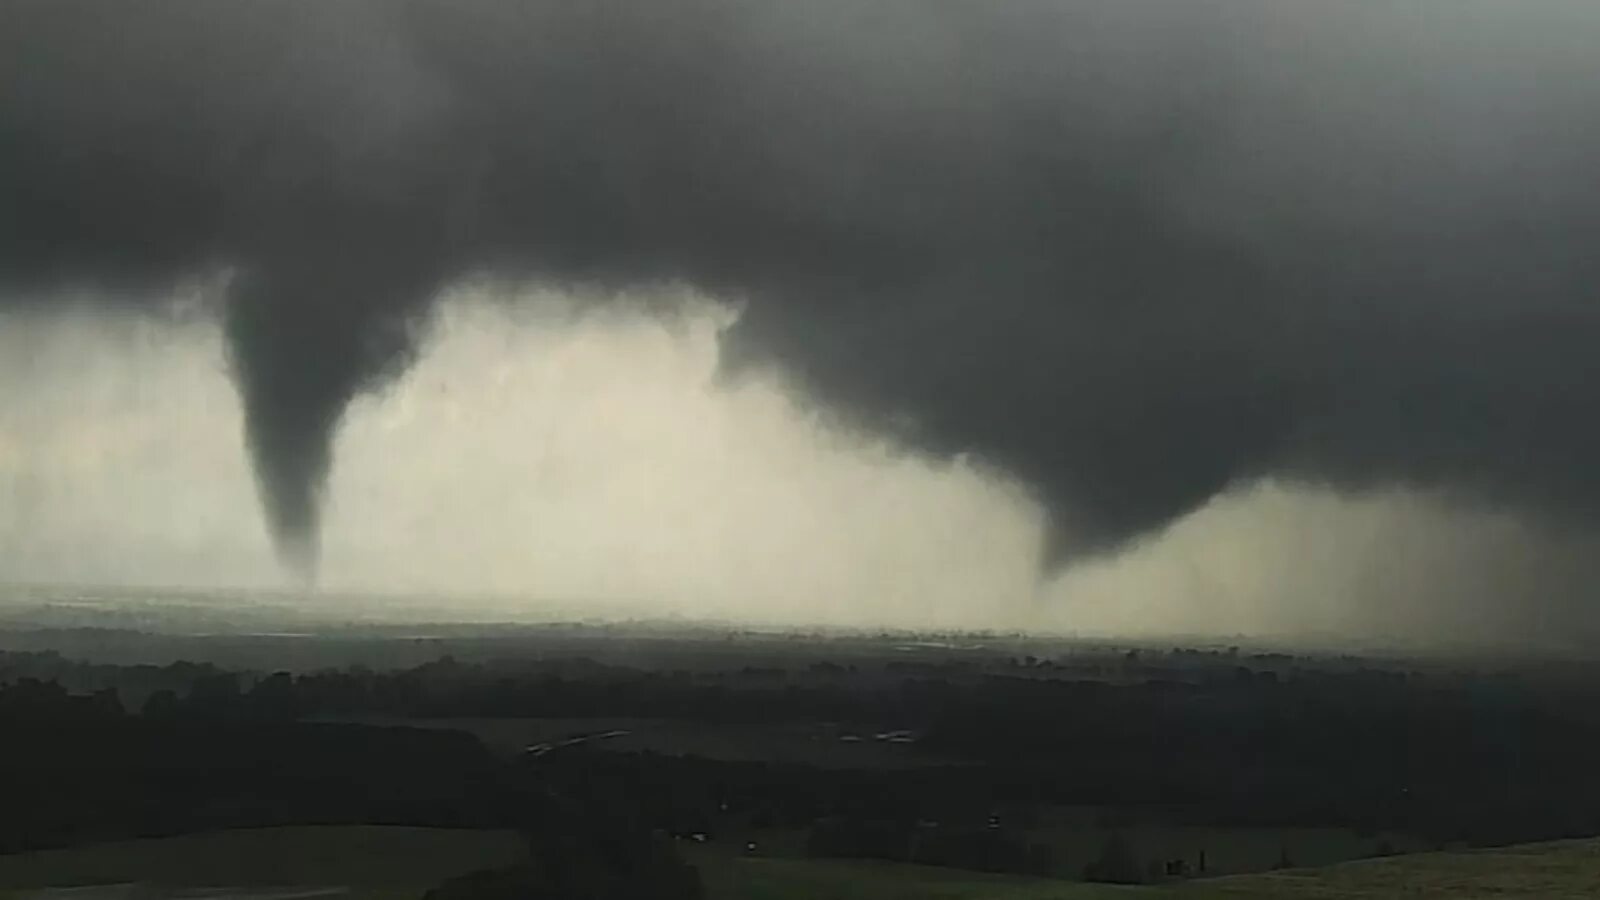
[1566,870]
[1563,870]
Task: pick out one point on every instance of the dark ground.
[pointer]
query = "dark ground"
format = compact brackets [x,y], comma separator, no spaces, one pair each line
[982,752]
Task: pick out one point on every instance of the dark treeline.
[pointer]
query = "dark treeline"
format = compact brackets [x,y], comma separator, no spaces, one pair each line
[1248,742]
[76,769]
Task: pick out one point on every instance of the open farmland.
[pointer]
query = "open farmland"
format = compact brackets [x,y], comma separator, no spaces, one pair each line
[795,879]
[350,861]
[378,863]
[1076,836]
[1563,870]
[1074,846]
[848,780]
[801,743]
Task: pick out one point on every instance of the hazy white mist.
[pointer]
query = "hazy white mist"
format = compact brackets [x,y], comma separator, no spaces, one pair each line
[555,462]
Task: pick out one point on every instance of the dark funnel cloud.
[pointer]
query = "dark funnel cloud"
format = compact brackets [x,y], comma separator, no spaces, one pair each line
[1133,252]
[305,337]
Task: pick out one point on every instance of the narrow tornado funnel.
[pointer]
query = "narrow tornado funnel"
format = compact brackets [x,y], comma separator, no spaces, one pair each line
[304,340]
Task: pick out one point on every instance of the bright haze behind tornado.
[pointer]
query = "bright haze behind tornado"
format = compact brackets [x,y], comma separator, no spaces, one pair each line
[1159,315]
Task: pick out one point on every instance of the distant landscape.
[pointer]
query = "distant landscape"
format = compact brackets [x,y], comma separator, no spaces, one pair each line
[389,863]
[759,763]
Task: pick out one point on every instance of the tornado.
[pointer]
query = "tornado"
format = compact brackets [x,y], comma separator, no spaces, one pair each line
[1132,253]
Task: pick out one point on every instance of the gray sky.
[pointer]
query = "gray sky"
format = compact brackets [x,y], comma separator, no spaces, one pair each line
[1136,257]
[555,459]
[541,461]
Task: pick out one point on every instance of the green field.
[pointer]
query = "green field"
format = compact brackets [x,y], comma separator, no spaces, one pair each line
[362,861]
[1077,835]
[797,879]
[1566,870]
[380,863]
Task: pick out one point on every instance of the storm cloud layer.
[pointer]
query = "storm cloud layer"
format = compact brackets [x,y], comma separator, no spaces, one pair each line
[1133,253]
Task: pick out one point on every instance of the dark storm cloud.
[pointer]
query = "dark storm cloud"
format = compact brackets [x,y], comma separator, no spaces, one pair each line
[1133,252]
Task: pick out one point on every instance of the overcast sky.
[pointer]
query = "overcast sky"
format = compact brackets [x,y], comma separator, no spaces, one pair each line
[542,461]
[1157,313]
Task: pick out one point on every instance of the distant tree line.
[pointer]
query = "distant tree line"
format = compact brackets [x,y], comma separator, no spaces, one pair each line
[1238,741]
[76,768]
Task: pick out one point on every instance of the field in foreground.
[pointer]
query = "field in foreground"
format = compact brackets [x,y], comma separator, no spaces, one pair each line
[799,879]
[360,862]
[380,863]
[1561,870]
[1565,870]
